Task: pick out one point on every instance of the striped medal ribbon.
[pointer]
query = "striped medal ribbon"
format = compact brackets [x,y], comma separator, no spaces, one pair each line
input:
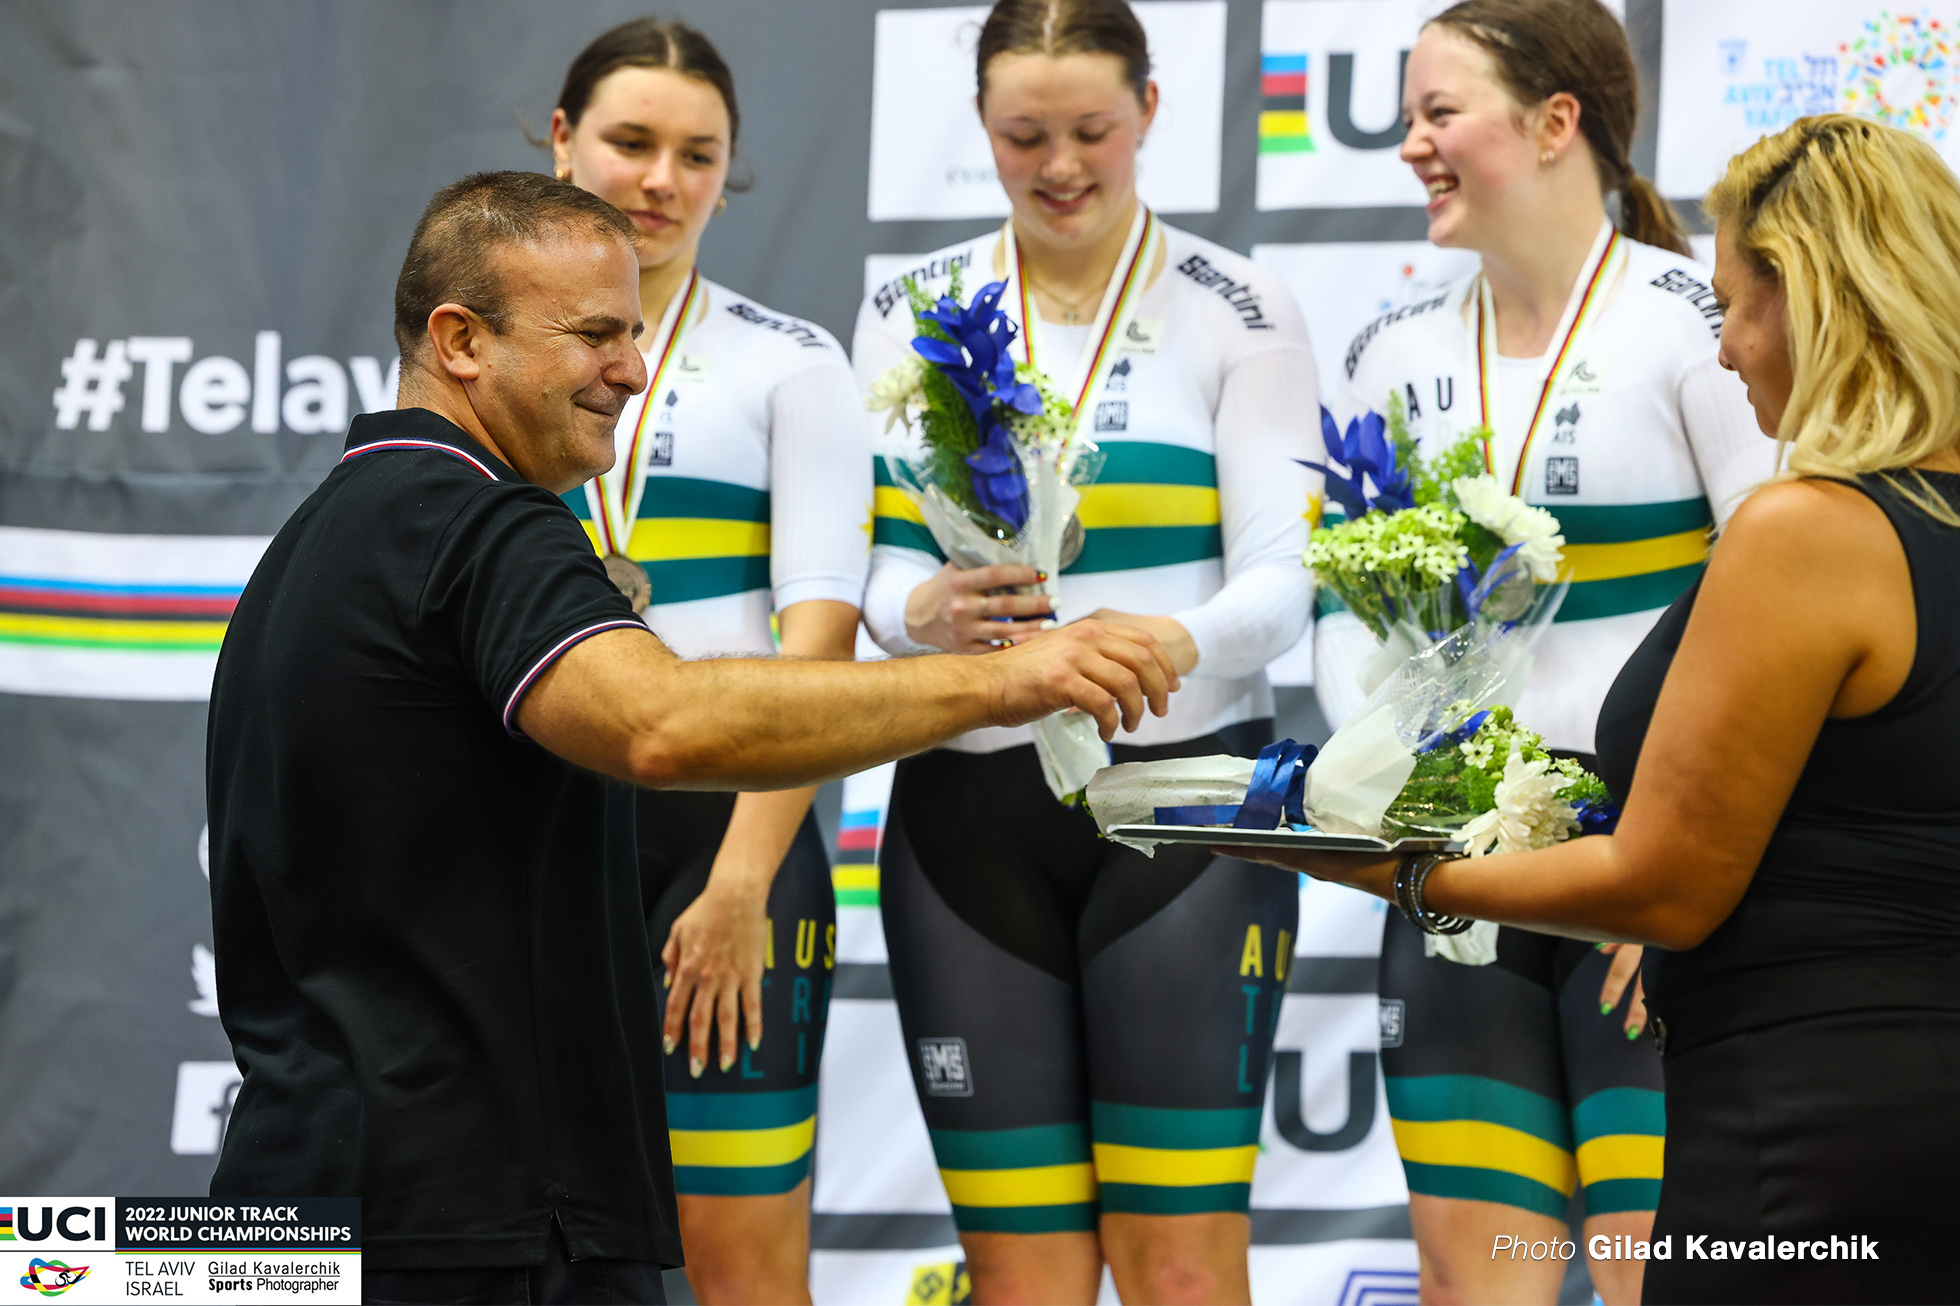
[1141,250]
[1601,269]
[614,496]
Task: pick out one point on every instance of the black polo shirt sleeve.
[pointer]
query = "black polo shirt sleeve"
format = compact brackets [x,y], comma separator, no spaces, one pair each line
[514,581]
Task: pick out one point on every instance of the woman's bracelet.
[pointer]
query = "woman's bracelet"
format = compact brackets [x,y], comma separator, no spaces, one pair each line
[1410,877]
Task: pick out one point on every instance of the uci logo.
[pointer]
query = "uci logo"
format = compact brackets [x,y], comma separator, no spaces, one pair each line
[72,1224]
[52,1278]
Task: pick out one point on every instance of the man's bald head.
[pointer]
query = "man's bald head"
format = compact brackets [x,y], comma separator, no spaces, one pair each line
[452,258]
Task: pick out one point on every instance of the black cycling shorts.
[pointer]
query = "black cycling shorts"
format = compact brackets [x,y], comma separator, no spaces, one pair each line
[746,1131]
[1089,1028]
[1507,1084]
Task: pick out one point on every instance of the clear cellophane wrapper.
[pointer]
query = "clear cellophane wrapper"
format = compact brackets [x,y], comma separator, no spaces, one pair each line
[1069,743]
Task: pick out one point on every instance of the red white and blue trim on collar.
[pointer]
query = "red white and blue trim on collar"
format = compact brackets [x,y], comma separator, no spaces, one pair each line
[451,449]
[557,651]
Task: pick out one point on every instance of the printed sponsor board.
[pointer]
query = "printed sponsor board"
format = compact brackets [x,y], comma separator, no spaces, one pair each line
[1341,287]
[117,616]
[930,157]
[86,1250]
[1330,101]
[1737,71]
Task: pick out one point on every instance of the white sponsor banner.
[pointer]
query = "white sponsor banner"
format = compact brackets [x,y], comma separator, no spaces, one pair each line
[930,157]
[1734,72]
[1330,121]
[89,615]
[1342,287]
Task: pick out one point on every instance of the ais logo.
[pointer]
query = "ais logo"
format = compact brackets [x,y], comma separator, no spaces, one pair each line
[52,1278]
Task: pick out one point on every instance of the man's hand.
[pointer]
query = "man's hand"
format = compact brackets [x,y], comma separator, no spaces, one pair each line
[714,956]
[1109,672]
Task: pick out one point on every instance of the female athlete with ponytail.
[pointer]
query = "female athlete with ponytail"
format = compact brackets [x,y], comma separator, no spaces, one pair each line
[1090,1029]
[1588,349]
[742,489]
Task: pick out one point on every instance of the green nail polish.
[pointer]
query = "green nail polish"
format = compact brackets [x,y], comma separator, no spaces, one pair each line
[1605,1008]
[667,1045]
[695,1066]
[1633,1033]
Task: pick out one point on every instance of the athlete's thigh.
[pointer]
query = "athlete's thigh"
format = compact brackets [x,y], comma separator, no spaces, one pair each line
[747,1131]
[1476,1087]
[994,1040]
[1613,1084]
[1181,1008]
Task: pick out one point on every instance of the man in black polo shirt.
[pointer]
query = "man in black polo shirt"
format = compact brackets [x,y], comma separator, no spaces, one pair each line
[432,955]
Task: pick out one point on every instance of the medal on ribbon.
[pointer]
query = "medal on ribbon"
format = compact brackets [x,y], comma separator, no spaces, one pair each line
[1601,269]
[1114,317]
[614,496]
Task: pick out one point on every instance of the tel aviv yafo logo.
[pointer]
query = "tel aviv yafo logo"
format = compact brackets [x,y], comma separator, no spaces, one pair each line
[1899,71]
[52,1278]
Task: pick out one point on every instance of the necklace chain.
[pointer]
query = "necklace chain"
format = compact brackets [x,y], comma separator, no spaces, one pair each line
[1071,309]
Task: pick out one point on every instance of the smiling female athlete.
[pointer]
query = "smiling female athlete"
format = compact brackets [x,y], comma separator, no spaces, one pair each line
[1588,348]
[742,489]
[1089,1028]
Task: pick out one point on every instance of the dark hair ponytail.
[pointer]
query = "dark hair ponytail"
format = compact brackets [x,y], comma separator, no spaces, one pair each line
[1542,47]
[1065,27]
[651,43]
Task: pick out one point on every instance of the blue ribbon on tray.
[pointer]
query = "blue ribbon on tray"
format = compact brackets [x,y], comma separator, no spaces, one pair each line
[1279,787]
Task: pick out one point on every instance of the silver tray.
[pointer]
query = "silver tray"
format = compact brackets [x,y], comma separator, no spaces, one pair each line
[1309,840]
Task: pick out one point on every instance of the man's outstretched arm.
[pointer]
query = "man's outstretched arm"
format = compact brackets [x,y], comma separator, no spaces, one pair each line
[621,704]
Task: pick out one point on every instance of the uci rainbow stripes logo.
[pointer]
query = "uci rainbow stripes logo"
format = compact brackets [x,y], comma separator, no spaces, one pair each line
[6,1224]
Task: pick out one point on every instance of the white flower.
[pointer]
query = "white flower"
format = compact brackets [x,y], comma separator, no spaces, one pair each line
[1513,521]
[1529,813]
[900,391]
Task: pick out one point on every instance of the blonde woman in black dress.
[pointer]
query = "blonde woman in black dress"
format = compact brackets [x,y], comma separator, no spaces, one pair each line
[1783,746]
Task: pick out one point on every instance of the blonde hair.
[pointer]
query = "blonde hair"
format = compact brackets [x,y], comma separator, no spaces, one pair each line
[1861,224]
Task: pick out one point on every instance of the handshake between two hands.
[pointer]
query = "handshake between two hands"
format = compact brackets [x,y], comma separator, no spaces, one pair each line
[1103,666]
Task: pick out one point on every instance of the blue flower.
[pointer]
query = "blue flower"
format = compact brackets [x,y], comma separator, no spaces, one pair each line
[978,363]
[1369,457]
[997,479]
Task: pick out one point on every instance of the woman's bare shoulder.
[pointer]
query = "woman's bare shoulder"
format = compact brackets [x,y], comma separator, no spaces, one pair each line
[1810,523]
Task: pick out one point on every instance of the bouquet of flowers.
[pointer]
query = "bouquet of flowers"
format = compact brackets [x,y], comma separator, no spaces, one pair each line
[997,472]
[1426,546]
[1422,758]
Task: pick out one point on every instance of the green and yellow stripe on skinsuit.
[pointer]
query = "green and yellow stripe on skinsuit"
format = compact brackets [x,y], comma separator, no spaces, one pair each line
[1480,1139]
[1621,1134]
[1166,1161]
[1153,505]
[1037,1179]
[741,1144]
[1483,1140]
[1631,557]
[697,539]
[1131,1159]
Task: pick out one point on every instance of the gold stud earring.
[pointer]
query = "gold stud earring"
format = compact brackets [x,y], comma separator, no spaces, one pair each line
[1548,158]
[721,203]
[563,174]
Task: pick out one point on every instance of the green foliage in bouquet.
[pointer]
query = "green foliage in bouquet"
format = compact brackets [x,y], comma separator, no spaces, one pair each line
[1456,781]
[1417,564]
[946,425]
